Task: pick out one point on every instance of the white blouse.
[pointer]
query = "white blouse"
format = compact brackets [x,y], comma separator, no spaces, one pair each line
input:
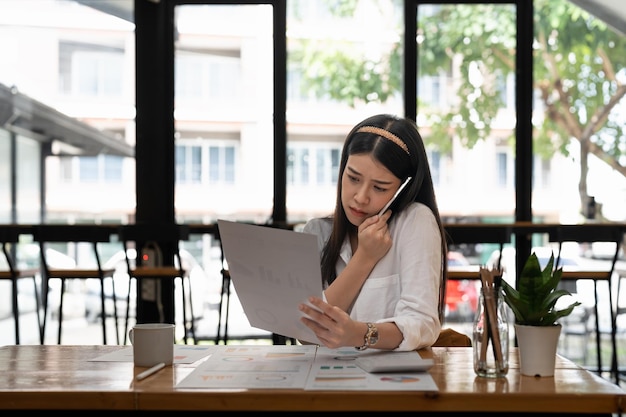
[403,287]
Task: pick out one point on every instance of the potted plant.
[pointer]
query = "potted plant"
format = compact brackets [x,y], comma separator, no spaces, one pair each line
[534,306]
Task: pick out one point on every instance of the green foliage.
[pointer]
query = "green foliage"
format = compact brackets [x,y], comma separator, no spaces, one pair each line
[534,303]
[338,72]
[575,58]
[342,8]
[578,62]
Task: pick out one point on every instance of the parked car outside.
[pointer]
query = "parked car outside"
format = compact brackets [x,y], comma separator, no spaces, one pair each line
[461,295]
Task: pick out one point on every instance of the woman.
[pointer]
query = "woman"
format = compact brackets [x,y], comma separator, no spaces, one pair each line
[383,274]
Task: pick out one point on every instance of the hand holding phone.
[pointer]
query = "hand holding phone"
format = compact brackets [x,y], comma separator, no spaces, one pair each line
[394,196]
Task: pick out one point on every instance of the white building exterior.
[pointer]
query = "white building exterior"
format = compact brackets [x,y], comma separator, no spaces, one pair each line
[81,62]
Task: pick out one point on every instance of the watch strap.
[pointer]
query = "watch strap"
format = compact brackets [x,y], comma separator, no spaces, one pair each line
[370,338]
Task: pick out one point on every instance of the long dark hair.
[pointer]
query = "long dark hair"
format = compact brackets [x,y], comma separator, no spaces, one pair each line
[400,148]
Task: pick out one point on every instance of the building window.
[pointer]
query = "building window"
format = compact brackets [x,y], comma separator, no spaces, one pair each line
[221,164]
[502,169]
[432,90]
[205,77]
[189,164]
[105,169]
[435,167]
[205,164]
[313,164]
[91,70]
[541,173]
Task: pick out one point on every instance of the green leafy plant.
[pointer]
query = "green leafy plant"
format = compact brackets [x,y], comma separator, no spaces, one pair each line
[534,301]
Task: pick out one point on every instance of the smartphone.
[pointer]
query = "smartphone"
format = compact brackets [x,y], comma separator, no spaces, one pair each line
[394,196]
[394,362]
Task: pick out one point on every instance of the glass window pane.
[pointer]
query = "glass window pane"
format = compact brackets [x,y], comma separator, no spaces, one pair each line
[462,114]
[73,67]
[223,102]
[579,125]
[5,177]
[28,180]
[341,68]
[229,164]
[113,166]
[88,169]
[196,166]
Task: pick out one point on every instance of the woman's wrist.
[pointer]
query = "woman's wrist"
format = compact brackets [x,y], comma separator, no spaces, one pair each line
[370,337]
[358,335]
[364,261]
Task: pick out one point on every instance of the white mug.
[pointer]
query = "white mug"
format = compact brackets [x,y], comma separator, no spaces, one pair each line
[153,343]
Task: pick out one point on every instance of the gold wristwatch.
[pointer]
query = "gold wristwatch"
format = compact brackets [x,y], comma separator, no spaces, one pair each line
[370,338]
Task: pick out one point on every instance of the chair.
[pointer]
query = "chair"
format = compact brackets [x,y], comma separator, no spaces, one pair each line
[9,236]
[149,272]
[587,234]
[79,235]
[577,325]
[452,338]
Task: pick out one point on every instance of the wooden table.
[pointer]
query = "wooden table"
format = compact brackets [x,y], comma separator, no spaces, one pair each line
[53,377]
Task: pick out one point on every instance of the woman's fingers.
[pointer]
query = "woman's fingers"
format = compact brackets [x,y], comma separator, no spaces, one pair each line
[318,310]
[320,315]
[326,321]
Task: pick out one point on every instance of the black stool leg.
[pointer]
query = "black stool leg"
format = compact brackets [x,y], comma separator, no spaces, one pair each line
[127,309]
[117,328]
[191,329]
[227,311]
[598,335]
[614,365]
[61,310]
[103,313]
[37,307]
[16,311]
[182,291]
[44,302]
[225,283]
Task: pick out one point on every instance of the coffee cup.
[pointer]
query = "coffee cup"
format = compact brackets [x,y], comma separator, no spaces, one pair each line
[153,343]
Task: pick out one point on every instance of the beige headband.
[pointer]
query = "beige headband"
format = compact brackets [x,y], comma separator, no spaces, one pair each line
[385,134]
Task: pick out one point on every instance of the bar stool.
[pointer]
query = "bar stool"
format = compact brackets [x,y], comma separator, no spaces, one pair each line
[590,233]
[90,235]
[151,236]
[9,236]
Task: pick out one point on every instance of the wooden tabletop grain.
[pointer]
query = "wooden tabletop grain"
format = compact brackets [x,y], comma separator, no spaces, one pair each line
[58,377]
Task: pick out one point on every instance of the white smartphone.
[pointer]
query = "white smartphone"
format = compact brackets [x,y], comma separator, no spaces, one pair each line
[394,196]
[394,362]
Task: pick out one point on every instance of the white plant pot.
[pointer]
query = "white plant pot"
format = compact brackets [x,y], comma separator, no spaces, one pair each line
[537,346]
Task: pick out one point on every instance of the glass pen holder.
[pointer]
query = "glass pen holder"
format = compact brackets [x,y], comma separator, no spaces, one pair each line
[490,340]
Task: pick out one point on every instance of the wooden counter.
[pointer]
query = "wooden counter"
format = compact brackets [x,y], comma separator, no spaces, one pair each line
[35,377]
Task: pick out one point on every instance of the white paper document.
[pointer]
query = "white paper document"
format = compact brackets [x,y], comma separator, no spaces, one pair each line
[393,362]
[307,367]
[336,369]
[244,366]
[273,271]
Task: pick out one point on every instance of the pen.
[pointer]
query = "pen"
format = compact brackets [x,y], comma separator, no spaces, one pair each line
[156,368]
